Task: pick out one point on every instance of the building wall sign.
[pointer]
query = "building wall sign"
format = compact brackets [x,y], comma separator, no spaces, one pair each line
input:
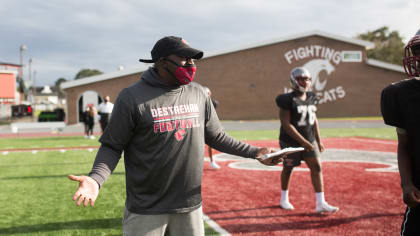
[321,59]
[248,79]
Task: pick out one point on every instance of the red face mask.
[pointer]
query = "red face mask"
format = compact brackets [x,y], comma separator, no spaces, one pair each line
[184,74]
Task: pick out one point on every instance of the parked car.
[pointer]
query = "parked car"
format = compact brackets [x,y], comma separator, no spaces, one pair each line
[21,110]
[57,115]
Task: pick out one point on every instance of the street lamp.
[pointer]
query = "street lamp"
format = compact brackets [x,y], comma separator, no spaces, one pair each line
[22,48]
[30,69]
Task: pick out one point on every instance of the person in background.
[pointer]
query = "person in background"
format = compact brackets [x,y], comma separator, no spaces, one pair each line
[85,121]
[400,104]
[89,119]
[299,127]
[162,123]
[104,112]
[215,103]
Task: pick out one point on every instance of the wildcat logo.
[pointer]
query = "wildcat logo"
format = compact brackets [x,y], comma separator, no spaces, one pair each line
[323,62]
[315,67]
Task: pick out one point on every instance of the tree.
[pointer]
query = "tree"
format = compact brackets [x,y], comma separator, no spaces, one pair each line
[87,73]
[389,46]
[58,82]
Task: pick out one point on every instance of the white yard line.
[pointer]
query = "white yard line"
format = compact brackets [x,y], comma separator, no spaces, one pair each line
[215,226]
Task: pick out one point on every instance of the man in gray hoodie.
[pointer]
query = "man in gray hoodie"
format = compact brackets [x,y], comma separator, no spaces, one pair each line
[162,123]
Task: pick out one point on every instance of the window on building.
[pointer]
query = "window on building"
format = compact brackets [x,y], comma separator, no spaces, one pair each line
[351,56]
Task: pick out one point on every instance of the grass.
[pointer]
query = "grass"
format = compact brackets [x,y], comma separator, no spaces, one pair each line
[44,142]
[36,195]
[78,141]
[354,118]
[5,122]
[381,133]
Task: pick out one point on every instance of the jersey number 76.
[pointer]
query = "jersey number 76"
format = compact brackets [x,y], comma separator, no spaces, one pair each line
[304,111]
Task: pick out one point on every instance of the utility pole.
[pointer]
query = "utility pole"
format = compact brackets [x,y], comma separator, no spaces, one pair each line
[22,48]
[20,79]
[30,69]
[30,91]
[33,97]
[34,87]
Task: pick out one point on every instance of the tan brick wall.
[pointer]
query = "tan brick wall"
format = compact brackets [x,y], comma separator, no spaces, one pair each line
[246,82]
[110,87]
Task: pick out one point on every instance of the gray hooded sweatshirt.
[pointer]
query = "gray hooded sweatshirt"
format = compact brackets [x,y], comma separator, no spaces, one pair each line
[162,131]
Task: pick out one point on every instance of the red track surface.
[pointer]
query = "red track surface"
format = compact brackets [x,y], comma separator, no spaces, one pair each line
[246,202]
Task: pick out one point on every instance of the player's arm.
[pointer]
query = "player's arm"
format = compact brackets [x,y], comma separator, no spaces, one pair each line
[218,139]
[411,195]
[292,131]
[318,136]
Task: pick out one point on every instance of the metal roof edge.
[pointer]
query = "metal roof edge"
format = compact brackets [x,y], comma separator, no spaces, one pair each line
[363,43]
[101,77]
[106,76]
[9,64]
[385,65]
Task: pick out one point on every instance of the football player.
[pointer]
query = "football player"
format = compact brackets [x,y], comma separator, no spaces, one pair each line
[299,127]
[400,108]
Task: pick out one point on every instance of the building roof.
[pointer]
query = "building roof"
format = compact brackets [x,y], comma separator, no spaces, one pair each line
[9,64]
[46,90]
[102,77]
[120,73]
[385,65]
[363,43]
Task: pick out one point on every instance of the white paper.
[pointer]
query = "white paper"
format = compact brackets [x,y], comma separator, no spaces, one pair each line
[286,151]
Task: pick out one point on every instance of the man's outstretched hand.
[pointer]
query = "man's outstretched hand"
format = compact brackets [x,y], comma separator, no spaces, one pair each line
[87,192]
[269,161]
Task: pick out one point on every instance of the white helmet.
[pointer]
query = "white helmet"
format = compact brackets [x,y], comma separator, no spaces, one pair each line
[295,74]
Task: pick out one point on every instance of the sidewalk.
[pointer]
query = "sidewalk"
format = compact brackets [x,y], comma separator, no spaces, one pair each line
[78,129]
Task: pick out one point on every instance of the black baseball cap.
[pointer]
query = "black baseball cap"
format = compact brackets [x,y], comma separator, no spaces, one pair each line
[172,45]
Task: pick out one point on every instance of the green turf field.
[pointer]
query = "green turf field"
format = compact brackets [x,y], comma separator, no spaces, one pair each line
[78,141]
[36,195]
[381,133]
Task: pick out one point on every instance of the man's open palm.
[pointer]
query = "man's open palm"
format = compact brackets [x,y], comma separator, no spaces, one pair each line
[87,192]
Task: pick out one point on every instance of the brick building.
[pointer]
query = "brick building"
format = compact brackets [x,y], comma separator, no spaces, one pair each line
[246,80]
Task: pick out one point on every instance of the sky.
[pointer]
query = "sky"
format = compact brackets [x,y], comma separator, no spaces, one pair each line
[62,37]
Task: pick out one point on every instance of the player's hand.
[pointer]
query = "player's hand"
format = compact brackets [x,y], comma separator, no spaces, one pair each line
[87,192]
[308,146]
[321,147]
[269,161]
[411,196]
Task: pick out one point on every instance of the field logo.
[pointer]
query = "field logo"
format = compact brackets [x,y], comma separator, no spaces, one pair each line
[325,59]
